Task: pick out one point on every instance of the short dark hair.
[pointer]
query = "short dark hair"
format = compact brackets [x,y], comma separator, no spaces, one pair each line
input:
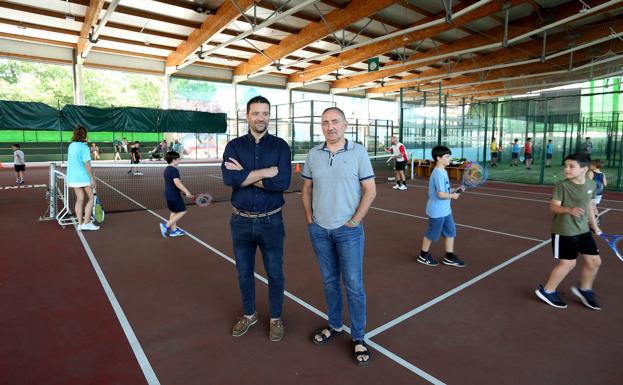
[80,134]
[338,110]
[583,159]
[597,163]
[439,151]
[549,140]
[257,99]
[528,138]
[137,142]
[516,140]
[16,145]
[171,156]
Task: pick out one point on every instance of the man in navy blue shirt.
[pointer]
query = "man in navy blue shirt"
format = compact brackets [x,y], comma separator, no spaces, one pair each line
[257,166]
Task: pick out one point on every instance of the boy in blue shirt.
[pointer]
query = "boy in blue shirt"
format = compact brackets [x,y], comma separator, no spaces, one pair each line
[440,221]
[549,153]
[172,192]
[515,153]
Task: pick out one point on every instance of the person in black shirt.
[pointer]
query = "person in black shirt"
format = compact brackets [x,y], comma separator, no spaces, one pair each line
[135,153]
[173,187]
[257,166]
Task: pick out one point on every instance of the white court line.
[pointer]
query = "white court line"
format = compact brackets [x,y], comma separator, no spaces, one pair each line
[472,192]
[402,362]
[148,371]
[458,224]
[459,288]
[452,292]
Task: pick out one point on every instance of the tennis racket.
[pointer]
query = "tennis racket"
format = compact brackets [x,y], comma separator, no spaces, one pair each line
[614,241]
[98,210]
[474,175]
[203,200]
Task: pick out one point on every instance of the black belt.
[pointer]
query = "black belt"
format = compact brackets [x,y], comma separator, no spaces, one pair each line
[250,214]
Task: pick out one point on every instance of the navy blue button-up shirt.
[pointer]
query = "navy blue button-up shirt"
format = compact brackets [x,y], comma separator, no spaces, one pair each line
[270,151]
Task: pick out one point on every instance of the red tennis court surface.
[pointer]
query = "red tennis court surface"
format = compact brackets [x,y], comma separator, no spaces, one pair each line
[125,306]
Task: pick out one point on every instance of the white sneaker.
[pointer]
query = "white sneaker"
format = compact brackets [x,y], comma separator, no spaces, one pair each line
[89,227]
[396,187]
[403,187]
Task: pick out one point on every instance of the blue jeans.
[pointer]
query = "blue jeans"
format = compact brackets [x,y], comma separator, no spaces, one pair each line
[267,233]
[340,255]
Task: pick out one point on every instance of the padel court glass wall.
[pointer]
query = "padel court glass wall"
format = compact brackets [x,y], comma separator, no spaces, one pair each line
[566,117]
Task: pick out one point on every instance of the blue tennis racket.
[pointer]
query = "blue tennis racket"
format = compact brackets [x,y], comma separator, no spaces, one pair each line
[474,175]
[614,241]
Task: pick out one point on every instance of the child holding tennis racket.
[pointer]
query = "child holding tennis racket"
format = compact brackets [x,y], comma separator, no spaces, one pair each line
[573,214]
[440,221]
[173,187]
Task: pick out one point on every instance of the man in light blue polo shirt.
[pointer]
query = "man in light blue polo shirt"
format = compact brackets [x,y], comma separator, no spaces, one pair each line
[338,190]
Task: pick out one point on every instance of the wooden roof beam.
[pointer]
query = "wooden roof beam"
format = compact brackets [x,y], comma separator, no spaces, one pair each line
[356,55]
[212,25]
[90,19]
[493,35]
[335,20]
[524,51]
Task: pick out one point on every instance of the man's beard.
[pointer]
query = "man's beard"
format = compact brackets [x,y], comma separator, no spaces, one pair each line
[259,128]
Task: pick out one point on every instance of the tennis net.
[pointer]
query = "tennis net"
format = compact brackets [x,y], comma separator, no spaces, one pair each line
[126,187]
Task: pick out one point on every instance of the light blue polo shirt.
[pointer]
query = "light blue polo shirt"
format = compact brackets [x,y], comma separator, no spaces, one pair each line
[336,181]
[437,207]
[77,154]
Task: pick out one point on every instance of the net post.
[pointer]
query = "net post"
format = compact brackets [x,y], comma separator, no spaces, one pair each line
[52,190]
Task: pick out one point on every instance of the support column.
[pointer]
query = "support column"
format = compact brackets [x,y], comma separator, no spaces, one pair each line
[164,101]
[78,90]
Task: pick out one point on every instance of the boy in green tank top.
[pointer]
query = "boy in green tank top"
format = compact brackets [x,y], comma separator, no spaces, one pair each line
[573,214]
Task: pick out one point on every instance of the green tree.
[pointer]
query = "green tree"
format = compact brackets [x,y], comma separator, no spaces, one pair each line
[36,82]
[104,88]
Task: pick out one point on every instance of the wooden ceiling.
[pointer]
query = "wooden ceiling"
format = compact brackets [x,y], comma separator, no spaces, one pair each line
[484,49]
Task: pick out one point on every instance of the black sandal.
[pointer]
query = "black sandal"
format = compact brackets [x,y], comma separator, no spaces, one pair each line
[357,354]
[323,337]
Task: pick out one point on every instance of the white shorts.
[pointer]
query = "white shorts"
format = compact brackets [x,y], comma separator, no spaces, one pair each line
[79,184]
[597,199]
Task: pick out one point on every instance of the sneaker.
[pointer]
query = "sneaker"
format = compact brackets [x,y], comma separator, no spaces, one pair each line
[551,299]
[138,173]
[89,227]
[453,261]
[396,186]
[177,233]
[427,260]
[403,187]
[276,330]
[243,324]
[587,297]
[164,230]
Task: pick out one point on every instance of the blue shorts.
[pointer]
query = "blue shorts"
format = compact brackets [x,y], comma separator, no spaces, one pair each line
[443,226]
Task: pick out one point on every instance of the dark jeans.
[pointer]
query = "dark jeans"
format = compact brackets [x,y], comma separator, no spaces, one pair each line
[267,233]
[340,256]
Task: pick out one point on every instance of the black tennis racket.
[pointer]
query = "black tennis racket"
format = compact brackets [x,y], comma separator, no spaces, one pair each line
[614,241]
[474,175]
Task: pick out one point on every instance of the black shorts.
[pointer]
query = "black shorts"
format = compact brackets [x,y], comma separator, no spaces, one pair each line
[527,156]
[515,155]
[568,247]
[401,166]
[176,205]
[548,156]
[19,167]
[135,161]
[494,155]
